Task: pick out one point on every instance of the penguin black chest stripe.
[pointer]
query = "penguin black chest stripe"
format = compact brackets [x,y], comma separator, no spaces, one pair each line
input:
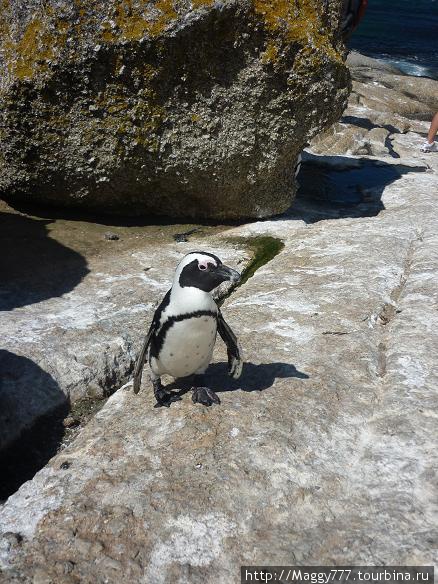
[158,339]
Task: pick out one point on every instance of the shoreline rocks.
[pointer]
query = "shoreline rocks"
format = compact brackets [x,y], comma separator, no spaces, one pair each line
[384,105]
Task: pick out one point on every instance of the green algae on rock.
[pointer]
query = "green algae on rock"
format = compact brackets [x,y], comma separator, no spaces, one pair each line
[171,108]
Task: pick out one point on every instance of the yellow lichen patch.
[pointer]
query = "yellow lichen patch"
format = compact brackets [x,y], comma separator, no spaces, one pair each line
[270,54]
[307,57]
[274,12]
[62,26]
[168,14]
[294,21]
[199,3]
[5,9]
[31,51]
[135,124]
[133,24]
[107,34]
[148,71]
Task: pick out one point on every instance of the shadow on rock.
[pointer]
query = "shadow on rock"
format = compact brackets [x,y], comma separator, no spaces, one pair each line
[33,266]
[368,124]
[253,378]
[338,187]
[26,393]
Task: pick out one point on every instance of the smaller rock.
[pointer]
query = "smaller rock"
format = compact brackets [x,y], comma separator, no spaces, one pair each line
[10,540]
[95,391]
[358,61]
[377,138]
[111,236]
[183,237]
[70,422]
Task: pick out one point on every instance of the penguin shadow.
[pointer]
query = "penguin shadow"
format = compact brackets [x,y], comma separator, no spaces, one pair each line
[253,378]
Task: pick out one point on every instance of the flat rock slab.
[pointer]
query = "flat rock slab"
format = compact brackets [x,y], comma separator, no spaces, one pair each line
[322,453]
[76,303]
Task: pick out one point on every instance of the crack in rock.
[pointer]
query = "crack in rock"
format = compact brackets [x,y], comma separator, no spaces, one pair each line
[390,309]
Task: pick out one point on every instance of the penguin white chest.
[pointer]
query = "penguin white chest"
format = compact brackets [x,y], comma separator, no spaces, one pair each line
[188,346]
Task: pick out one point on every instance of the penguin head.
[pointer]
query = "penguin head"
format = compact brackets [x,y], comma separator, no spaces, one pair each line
[204,271]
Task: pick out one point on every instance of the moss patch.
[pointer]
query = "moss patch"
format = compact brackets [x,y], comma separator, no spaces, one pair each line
[263,249]
[80,414]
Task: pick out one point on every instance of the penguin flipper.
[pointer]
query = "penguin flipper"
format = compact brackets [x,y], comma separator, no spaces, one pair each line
[152,330]
[138,371]
[235,362]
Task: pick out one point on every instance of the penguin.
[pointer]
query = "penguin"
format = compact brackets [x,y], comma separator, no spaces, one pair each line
[182,334]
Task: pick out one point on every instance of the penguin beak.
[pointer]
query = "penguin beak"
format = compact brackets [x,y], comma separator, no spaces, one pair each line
[228,274]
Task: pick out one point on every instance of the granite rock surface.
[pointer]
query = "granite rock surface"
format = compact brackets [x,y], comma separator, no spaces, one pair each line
[383,106]
[324,452]
[172,108]
[75,306]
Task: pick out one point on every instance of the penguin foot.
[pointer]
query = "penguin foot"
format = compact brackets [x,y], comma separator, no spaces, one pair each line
[164,398]
[204,396]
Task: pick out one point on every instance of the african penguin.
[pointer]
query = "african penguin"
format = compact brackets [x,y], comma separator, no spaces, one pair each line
[182,335]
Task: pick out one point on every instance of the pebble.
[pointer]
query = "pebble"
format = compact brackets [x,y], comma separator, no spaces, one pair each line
[70,422]
[111,236]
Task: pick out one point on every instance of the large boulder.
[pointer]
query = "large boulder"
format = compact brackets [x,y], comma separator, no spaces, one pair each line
[167,107]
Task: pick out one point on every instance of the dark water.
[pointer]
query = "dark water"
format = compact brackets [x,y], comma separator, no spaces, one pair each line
[402,32]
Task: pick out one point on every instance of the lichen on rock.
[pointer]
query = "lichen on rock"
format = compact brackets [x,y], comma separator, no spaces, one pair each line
[187,109]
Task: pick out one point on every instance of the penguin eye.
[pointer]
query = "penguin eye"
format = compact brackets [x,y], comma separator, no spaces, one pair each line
[202,267]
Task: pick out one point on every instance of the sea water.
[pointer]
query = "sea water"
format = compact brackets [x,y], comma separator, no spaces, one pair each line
[401,32]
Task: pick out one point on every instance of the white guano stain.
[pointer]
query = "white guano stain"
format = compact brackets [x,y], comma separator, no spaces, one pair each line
[196,541]
[413,371]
